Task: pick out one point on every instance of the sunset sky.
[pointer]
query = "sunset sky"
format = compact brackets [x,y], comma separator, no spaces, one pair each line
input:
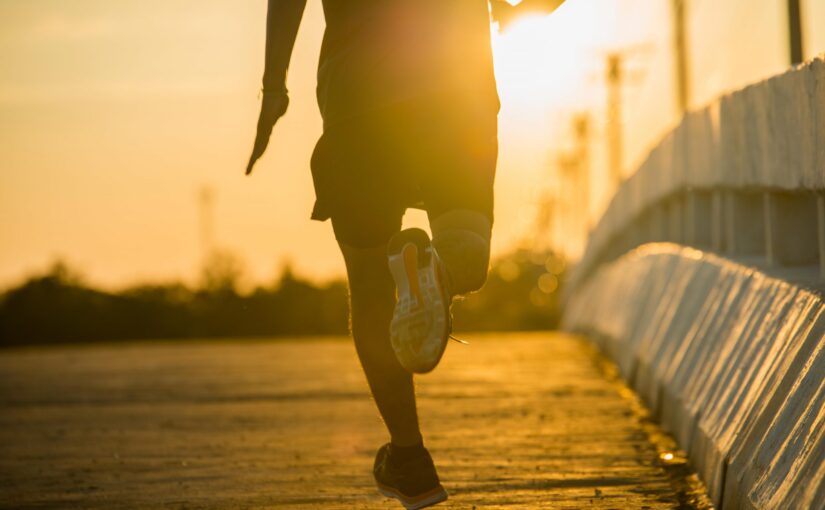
[113,115]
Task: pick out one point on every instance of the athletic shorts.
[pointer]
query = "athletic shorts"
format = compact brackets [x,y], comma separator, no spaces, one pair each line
[436,154]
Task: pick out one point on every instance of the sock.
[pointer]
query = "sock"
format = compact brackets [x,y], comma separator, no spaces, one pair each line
[406,453]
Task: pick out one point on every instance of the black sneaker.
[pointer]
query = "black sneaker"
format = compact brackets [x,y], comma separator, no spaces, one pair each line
[413,482]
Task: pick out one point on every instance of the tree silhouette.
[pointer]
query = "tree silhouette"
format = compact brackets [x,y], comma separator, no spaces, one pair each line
[58,306]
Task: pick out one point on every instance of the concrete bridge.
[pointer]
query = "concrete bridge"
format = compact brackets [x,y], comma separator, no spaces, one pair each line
[513,421]
[703,282]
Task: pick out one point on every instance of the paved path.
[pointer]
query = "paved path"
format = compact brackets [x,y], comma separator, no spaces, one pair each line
[513,421]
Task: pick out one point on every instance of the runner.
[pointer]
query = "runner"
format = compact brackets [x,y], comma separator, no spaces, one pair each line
[409,103]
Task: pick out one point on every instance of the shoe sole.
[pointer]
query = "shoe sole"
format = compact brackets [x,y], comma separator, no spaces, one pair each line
[412,245]
[429,498]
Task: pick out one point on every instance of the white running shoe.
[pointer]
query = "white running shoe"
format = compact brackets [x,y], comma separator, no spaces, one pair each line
[421,323]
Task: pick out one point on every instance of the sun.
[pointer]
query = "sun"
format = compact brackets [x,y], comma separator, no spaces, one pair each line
[544,61]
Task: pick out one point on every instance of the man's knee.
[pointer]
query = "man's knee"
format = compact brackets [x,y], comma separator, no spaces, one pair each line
[462,239]
[477,272]
[467,258]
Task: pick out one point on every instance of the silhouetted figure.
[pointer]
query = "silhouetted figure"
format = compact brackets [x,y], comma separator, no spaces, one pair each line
[408,97]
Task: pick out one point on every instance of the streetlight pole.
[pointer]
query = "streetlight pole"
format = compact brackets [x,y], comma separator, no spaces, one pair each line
[581,130]
[680,47]
[614,77]
[795,31]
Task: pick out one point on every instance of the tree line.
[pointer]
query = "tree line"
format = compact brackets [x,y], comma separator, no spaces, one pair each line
[58,306]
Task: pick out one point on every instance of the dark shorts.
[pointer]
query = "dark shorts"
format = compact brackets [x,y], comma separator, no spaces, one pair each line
[436,154]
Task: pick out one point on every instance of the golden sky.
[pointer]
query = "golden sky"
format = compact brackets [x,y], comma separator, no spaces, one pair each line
[113,115]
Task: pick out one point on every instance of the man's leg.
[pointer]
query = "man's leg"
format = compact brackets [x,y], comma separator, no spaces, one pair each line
[462,239]
[403,469]
[372,299]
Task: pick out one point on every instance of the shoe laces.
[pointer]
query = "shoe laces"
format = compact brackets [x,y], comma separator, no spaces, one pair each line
[456,339]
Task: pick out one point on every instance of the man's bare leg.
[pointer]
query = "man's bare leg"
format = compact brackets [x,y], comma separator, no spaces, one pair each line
[372,299]
[462,239]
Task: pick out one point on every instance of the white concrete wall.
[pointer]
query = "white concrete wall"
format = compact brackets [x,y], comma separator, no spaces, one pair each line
[766,138]
[731,361]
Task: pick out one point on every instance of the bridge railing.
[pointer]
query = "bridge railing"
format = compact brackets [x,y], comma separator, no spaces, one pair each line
[729,357]
[744,177]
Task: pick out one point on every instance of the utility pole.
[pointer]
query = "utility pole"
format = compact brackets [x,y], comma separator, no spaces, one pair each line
[206,205]
[546,222]
[614,77]
[795,31]
[680,60]
[581,131]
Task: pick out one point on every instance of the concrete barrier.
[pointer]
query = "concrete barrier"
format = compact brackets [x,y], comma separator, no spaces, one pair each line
[744,176]
[730,360]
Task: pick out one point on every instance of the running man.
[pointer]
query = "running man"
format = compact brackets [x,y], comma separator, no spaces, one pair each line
[409,103]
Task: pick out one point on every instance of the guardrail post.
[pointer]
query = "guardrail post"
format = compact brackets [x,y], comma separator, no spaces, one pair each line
[690,218]
[729,215]
[769,215]
[660,221]
[792,228]
[676,219]
[699,219]
[744,223]
[649,224]
[820,222]
[717,226]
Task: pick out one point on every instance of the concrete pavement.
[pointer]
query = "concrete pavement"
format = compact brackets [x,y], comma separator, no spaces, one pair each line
[513,421]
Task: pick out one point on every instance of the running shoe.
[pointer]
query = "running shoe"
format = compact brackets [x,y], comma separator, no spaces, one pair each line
[421,323]
[413,482]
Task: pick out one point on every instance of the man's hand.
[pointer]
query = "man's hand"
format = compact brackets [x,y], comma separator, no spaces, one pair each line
[273,108]
[506,14]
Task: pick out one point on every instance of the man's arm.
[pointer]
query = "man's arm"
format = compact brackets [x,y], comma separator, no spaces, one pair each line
[282,21]
[505,13]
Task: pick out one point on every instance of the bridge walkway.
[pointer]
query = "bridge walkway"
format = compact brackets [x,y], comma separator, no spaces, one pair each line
[513,421]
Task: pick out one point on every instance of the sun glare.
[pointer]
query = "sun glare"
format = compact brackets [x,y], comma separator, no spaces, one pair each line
[539,59]
[554,61]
